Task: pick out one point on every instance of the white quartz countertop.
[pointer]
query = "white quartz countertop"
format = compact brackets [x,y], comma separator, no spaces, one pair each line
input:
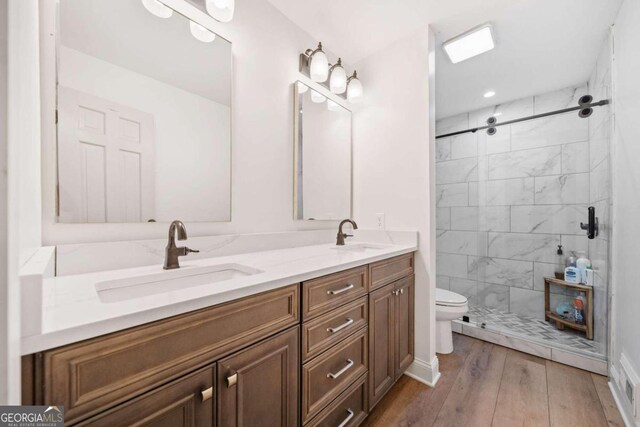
[72,310]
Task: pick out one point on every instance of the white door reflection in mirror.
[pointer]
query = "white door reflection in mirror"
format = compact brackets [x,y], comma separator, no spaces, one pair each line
[323,157]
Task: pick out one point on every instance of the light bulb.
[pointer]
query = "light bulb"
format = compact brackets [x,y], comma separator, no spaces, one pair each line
[302,88]
[221,10]
[319,66]
[338,79]
[201,33]
[158,9]
[332,105]
[355,90]
[316,97]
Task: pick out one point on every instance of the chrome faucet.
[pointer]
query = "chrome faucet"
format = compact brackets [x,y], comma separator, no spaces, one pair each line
[171,252]
[341,235]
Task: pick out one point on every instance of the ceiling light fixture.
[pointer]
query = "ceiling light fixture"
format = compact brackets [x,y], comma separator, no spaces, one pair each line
[221,10]
[355,91]
[469,44]
[489,94]
[338,78]
[201,33]
[158,9]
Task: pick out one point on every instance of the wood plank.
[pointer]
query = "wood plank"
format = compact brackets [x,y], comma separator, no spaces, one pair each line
[473,397]
[522,399]
[606,399]
[410,402]
[573,399]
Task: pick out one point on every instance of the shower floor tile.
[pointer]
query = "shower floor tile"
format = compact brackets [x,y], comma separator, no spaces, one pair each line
[535,329]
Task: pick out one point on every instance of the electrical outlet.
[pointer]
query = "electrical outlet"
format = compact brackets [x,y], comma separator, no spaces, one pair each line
[380,221]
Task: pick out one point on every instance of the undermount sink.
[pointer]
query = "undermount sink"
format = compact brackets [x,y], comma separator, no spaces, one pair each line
[167,281]
[361,247]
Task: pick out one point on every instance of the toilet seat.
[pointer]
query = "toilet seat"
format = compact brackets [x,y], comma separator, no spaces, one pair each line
[446,298]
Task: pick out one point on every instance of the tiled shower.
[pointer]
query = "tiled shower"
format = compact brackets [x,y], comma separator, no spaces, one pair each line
[505,202]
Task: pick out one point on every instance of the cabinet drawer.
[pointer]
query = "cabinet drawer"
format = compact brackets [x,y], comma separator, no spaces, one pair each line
[348,410]
[186,402]
[326,376]
[93,375]
[323,294]
[390,270]
[324,331]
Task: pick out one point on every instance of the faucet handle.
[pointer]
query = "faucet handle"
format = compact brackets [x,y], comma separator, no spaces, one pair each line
[189,250]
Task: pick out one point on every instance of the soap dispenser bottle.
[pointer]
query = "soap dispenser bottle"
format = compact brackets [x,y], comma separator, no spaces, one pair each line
[559,271]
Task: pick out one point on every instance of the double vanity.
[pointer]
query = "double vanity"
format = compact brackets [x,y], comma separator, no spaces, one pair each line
[312,335]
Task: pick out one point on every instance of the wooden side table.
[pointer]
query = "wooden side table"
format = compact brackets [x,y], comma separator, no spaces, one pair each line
[587,328]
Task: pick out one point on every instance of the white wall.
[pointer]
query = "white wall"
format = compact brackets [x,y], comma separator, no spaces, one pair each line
[4,354]
[266,46]
[626,185]
[23,179]
[393,156]
[192,135]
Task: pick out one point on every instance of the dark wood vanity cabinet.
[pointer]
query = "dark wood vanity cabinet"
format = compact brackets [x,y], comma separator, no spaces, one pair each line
[391,341]
[320,353]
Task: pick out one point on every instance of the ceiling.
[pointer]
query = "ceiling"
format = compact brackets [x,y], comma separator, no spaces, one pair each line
[124,33]
[541,45]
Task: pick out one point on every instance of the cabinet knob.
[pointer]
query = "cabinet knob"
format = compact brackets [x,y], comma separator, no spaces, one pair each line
[232,380]
[207,394]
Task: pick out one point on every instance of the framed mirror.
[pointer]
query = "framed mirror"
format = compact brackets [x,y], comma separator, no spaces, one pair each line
[322,135]
[143,115]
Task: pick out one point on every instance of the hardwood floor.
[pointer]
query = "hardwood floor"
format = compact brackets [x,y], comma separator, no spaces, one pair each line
[483,384]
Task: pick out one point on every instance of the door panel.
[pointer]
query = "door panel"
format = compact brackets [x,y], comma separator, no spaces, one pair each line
[404,313]
[259,386]
[381,343]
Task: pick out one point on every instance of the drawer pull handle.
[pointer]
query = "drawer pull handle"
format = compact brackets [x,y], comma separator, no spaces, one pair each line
[346,420]
[207,394]
[341,371]
[232,380]
[339,291]
[341,327]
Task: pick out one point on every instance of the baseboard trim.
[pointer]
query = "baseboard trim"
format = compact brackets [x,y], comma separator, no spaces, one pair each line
[624,413]
[425,372]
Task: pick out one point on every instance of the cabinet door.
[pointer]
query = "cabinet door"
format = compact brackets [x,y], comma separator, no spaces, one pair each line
[404,296]
[259,386]
[381,342]
[185,402]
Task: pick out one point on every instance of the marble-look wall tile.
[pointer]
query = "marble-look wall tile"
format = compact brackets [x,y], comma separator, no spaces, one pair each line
[505,192]
[465,287]
[452,195]
[599,183]
[549,131]
[451,265]
[465,218]
[506,111]
[456,171]
[548,219]
[452,124]
[501,271]
[525,247]
[526,302]
[559,99]
[442,282]
[575,243]
[540,271]
[500,142]
[443,149]
[443,219]
[575,157]
[457,242]
[486,218]
[562,189]
[525,163]
[464,145]
[493,296]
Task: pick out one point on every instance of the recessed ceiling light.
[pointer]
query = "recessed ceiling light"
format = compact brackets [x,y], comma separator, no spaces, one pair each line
[489,94]
[469,44]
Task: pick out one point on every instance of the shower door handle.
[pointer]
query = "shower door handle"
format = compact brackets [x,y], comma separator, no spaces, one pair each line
[592,226]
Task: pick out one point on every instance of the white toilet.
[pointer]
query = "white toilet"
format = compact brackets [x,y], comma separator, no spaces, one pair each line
[449,306]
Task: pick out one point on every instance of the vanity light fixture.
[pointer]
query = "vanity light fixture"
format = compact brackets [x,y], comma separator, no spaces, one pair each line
[333,106]
[201,33]
[158,9]
[355,90]
[221,10]
[469,44]
[318,64]
[302,88]
[317,97]
[338,78]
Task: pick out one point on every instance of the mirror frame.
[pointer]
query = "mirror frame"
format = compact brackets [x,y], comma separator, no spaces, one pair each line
[297,142]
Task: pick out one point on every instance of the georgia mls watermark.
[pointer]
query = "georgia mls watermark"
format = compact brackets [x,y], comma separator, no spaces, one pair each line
[31,416]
